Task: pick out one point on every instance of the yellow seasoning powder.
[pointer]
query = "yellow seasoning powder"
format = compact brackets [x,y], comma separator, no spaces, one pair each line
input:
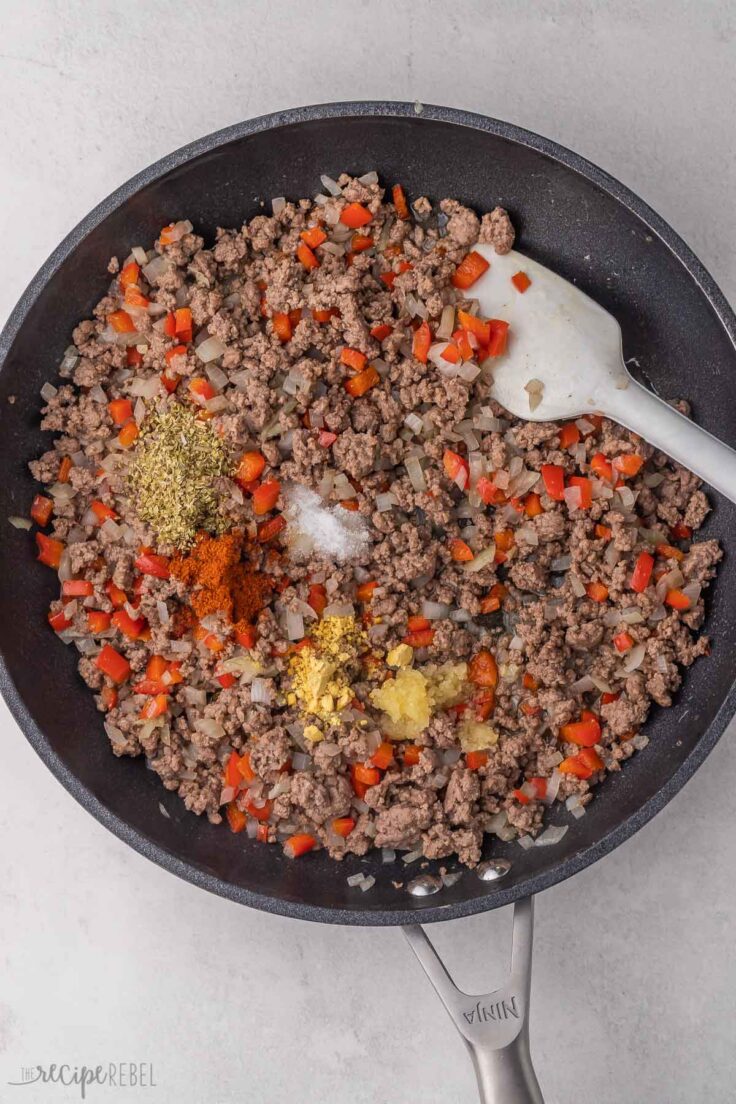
[320,673]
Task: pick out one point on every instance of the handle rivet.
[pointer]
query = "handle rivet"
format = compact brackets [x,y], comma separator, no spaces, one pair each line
[493,869]
[424,885]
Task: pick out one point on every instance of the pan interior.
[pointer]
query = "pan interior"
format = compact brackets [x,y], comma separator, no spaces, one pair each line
[568,217]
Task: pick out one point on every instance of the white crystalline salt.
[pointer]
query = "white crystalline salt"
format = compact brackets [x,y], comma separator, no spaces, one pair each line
[315,529]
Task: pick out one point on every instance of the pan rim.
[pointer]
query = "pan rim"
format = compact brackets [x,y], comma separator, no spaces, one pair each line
[412,912]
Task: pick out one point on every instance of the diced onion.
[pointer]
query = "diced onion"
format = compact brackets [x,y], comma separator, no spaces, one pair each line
[294,625]
[48,391]
[210,349]
[483,559]
[339,609]
[634,658]
[434,611]
[576,585]
[260,692]
[20,522]
[551,835]
[415,473]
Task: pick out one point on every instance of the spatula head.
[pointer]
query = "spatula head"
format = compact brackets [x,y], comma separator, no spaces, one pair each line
[558,336]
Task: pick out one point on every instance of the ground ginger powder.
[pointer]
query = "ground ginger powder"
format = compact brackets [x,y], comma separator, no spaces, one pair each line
[320,671]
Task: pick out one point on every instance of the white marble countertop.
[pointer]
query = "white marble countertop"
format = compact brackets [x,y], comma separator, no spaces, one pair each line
[104,957]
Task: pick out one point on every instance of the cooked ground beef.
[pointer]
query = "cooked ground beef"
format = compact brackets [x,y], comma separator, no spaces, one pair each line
[476,563]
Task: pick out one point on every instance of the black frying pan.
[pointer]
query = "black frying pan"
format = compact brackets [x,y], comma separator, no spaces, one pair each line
[571,216]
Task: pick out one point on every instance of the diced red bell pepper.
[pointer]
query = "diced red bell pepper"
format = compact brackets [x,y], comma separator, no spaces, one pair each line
[313,236]
[410,754]
[670,552]
[128,434]
[317,598]
[65,466]
[451,353]
[585,733]
[129,274]
[59,621]
[569,435]
[343,826]
[499,337]
[77,588]
[598,592]
[250,466]
[586,490]
[127,625]
[259,812]
[149,563]
[476,326]
[456,468]
[307,256]
[226,680]
[41,510]
[49,550]
[358,385]
[581,765]
[603,532]
[298,845]
[602,467]
[383,757]
[381,331]
[360,242]
[266,496]
[102,511]
[484,702]
[483,669]
[236,818]
[421,342]
[233,775]
[282,326]
[112,664]
[460,551]
[355,215]
[642,572]
[245,770]
[474,760]
[267,530]
[677,600]
[247,637]
[353,358]
[109,696]
[553,477]
[155,707]
[628,464]
[623,641]
[681,531]
[470,269]
[521,281]
[117,596]
[121,322]
[402,207]
[364,591]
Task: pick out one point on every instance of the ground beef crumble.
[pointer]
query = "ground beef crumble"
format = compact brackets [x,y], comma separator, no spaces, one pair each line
[553,603]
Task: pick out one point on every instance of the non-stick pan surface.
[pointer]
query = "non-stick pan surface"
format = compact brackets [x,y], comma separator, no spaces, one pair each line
[569,215]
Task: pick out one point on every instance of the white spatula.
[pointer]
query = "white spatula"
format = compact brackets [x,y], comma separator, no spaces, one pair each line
[561,337]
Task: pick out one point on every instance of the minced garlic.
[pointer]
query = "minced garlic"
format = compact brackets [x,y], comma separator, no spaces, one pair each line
[400,656]
[320,680]
[410,699]
[476,736]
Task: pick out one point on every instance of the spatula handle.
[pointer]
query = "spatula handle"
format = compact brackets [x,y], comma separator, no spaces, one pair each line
[665,428]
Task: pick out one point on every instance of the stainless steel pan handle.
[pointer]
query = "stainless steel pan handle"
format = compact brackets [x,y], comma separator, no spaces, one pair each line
[494,1026]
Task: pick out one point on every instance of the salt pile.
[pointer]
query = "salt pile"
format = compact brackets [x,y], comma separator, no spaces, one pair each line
[314,529]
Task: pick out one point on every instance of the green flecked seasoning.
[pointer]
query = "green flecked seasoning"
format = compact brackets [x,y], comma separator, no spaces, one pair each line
[172,475]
